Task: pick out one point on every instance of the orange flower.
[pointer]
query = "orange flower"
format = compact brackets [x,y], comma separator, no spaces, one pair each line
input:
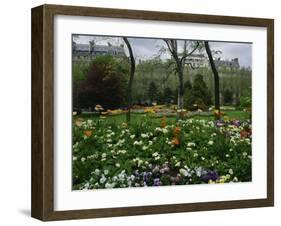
[175,141]
[164,122]
[176,131]
[244,134]
[88,133]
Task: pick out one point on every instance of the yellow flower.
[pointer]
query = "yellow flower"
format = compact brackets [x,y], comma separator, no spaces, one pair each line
[79,122]
[98,107]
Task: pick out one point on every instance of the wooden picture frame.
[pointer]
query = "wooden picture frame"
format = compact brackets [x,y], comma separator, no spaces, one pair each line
[43,112]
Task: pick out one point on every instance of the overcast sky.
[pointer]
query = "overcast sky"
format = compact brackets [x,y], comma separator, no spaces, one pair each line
[145,48]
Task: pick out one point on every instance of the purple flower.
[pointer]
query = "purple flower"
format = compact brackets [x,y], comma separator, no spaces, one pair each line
[156,182]
[145,176]
[209,175]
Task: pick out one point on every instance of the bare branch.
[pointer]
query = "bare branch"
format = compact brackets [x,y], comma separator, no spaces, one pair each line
[191,52]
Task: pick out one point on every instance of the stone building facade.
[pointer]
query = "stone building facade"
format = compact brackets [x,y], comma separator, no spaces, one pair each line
[87,52]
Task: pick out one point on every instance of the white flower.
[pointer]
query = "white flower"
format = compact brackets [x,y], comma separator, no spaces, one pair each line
[155,154]
[227,155]
[132,136]
[86,186]
[144,148]
[83,159]
[121,151]
[211,142]
[198,171]
[117,165]
[97,171]
[75,145]
[164,130]
[143,135]
[178,164]
[74,158]
[102,179]
[158,129]
[191,144]
[157,158]
[109,185]
[184,172]
[103,155]
[150,142]
[230,171]
[136,143]
[105,172]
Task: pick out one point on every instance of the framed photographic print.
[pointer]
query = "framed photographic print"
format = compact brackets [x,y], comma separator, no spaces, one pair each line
[141,112]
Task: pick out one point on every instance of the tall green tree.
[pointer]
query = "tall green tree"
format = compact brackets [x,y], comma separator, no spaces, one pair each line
[227,96]
[199,97]
[105,84]
[152,92]
[79,74]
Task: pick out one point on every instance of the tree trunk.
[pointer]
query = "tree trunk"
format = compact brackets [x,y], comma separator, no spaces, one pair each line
[180,91]
[130,84]
[216,77]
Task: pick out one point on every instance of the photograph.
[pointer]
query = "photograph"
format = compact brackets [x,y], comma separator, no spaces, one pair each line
[160,112]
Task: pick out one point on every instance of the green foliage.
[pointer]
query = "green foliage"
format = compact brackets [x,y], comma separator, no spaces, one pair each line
[228,96]
[197,96]
[105,83]
[246,99]
[79,71]
[152,92]
[168,96]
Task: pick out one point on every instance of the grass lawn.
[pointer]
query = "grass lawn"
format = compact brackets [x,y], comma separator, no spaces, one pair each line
[139,117]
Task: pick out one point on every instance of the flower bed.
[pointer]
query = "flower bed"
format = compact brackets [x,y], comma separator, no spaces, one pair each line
[147,154]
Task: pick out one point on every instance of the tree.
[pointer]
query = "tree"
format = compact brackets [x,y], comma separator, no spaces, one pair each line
[79,73]
[199,96]
[152,92]
[132,73]
[179,60]
[228,96]
[246,99]
[216,76]
[168,95]
[105,83]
